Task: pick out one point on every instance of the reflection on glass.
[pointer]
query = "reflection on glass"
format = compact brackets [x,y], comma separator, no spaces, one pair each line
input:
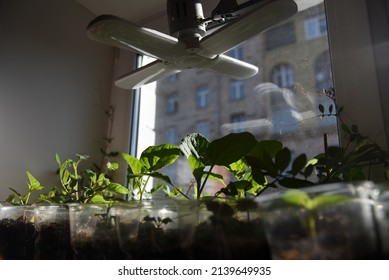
[281,102]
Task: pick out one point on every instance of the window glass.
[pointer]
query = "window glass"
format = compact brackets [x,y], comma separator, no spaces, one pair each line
[315,27]
[202,97]
[283,76]
[172,103]
[237,89]
[280,102]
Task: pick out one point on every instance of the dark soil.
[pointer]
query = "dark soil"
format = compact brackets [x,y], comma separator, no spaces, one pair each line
[103,246]
[238,240]
[17,239]
[53,242]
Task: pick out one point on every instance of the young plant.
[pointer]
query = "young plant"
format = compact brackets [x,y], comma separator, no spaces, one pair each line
[16,198]
[85,186]
[354,160]
[148,166]
[157,222]
[268,164]
[297,198]
[226,151]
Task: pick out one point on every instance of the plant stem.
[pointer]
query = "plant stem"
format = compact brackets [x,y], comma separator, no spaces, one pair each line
[205,180]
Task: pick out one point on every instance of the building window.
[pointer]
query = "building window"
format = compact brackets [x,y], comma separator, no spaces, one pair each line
[315,27]
[323,73]
[172,103]
[236,121]
[202,127]
[283,76]
[237,52]
[171,135]
[236,90]
[280,36]
[202,97]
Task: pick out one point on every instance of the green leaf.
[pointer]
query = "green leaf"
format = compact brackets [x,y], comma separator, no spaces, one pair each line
[230,148]
[98,198]
[330,108]
[298,164]
[112,166]
[258,176]
[302,199]
[238,168]
[135,166]
[157,157]
[160,176]
[195,145]
[321,108]
[297,198]
[33,184]
[270,147]
[57,160]
[195,163]
[308,170]
[282,159]
[117,188]
[328,200]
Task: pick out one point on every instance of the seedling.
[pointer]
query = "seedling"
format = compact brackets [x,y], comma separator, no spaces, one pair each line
[141,170]
[158,222]
[84,186]
[16,198]
[298,198]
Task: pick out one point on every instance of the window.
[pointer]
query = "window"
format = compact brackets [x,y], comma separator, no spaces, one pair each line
[202,97]
[236,121]
[280,36]
[279,103]
[315,27]
[171,135]
[237,89]
[283,76]
[202,127]
[172,103]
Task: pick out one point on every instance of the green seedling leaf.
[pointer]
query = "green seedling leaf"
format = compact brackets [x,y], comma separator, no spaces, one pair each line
[297,198]
[112,166]
[117,188]
[195,145]
[157,157]
[195,163]
[298,164]
[302,199]
[33,184]
[259,177]
[230,148]
[282,159]
[134,165]
[328,200]
[149,219]
[167,220]
[270,147]
[238,168]
[98,198]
